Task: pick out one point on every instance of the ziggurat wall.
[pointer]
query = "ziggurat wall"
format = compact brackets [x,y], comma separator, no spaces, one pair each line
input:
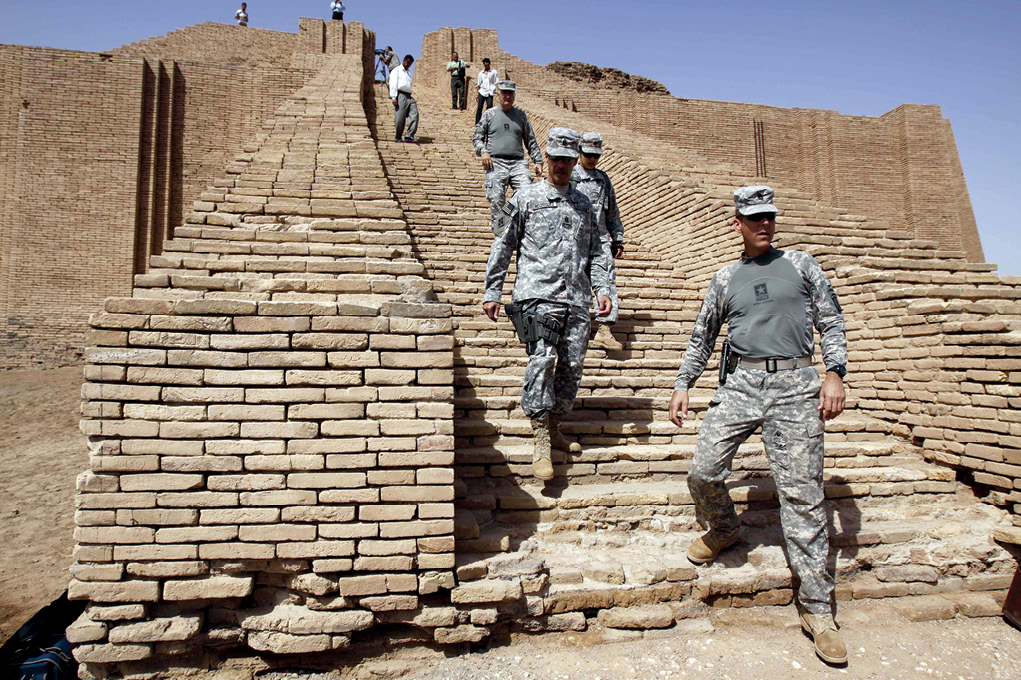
[305,436]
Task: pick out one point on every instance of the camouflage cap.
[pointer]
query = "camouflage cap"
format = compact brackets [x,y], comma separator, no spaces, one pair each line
[562,142]
[754,200]
[592,143]
[507,85]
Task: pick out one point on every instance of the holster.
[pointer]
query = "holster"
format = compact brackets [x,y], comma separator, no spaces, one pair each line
[728,362]
[531,326]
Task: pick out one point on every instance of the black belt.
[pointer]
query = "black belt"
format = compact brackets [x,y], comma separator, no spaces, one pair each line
[504,157]
[774,364]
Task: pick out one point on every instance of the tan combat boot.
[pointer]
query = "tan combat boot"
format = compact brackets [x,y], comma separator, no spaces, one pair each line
[542,463]
[711,544]
[828,644]
[557,439]
[603,339]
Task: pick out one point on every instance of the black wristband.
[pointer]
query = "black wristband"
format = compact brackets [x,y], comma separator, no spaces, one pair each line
[839,369]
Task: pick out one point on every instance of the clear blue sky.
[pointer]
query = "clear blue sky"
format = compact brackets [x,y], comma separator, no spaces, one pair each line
[864,57]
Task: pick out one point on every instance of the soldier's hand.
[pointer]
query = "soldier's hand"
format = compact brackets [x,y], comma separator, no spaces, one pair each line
[605,306]
[487,161]
[539,170]
[831,398]
[492,310]
[618,250]
[679,407]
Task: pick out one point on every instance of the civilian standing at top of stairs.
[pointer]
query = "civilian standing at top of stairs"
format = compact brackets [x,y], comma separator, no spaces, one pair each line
[405,108]
[337,8]
[485,86]
[242,15]
[458,87]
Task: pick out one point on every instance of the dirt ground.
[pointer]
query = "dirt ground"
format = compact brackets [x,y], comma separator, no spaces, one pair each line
[42,451]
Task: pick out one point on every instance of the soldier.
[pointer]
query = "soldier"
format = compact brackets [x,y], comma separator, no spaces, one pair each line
[770,300]
[561,259]
[498,137]
[596,184]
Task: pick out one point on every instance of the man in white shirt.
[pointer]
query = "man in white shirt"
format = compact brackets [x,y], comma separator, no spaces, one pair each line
[485,84]
[405,108]
[242,15]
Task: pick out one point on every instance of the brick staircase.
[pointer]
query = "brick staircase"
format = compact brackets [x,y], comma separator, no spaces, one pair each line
[613,527]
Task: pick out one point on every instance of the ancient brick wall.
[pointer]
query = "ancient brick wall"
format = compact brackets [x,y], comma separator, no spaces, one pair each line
[886,167]
[219,43]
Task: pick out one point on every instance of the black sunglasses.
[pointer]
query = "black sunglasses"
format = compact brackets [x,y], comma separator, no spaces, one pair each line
[590,155]
[759,217]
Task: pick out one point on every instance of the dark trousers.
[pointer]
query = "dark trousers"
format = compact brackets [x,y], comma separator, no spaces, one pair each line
[484,104]
[458,94]
[338,16]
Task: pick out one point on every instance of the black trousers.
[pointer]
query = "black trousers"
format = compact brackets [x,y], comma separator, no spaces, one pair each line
[484,104]
[458,93]
[338,16]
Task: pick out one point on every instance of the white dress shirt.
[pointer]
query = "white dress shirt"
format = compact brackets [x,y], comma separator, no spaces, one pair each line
[400,80]
[487,81]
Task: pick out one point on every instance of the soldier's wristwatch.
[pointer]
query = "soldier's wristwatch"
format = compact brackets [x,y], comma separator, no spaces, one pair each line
[839,369]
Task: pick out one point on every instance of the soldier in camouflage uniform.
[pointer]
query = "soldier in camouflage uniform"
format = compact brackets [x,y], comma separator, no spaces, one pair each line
[561,259]
[498,139]
[770,300]
[596,184]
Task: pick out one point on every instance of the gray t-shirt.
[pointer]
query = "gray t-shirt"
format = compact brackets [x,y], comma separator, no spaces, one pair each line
[502,133]
[770,304]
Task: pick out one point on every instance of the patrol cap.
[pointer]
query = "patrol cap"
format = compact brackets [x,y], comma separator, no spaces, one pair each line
[754,200]
[562,142]
[507,85]
[592,143]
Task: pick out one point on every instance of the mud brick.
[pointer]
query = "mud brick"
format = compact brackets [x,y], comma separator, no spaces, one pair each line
[237,551]
[434,494]
[103,501]
[331,341]
[290,497]
[211,587]
[349,530]
[107,392]
[261,377]
[127,428]
[272,324]
[182,627]
[416,528]
[141,553]
[331,566]
[275,533]
[376,513]
[161,482]
[104,654]
[352,395]
[317,513]
[291,430]
[380,342]
[435,476]
[327,446]
[397,428]
[210,324]
[436,544]
[187,357]
[197,534]
[352,586]
[315,549]
[168,339]
[288,308]
[349,496]
[396,410]
[384,376]
[266,341]
[287,359]
[240,516]
[325,480]
[160,376]
[123,591]
[326,411]
[167,569]
[926,608]
[390,563]
[391,477]
[158,517]
[378,548]
[160,412]
[203,394]
[417,359]
[347,359]
[239,412]
[438,442]
[197,499]
[136,357]
[389,603]
[97,572]
[122,612]
[285,395]
[246,482]
[351,324]
[86,630]
[435,510]
[95,518]
[238,447]
[323,378]
[481,592]
[349,428]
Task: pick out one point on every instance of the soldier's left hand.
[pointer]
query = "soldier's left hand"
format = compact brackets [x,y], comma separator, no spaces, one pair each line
[618,250]
[831,398]
[605,306]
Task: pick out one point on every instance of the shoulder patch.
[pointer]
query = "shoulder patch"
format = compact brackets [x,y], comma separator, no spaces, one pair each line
[507,213]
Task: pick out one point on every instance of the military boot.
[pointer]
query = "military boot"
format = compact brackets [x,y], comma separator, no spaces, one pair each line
[711,544]
[828,644]
[557,439]
[603,339]
[542,463]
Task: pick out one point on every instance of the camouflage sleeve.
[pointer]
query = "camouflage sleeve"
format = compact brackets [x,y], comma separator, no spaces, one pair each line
[601,269]
[827,315]
[504,246]
[480,138]
[703,336]
[613,223]
[531,143]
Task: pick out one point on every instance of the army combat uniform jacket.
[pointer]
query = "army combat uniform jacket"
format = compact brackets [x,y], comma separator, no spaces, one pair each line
[560,255]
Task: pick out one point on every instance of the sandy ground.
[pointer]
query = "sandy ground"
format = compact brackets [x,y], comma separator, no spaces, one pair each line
[41,453]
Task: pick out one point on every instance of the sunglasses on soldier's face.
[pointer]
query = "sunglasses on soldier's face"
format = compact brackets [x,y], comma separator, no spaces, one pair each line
[590,155]
[759,217]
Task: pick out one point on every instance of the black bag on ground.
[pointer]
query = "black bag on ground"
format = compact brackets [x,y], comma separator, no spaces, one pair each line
[40,649]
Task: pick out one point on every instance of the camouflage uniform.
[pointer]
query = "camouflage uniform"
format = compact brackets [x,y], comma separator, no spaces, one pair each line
[784,403]
[597,187]
[509,171]
[560,260]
